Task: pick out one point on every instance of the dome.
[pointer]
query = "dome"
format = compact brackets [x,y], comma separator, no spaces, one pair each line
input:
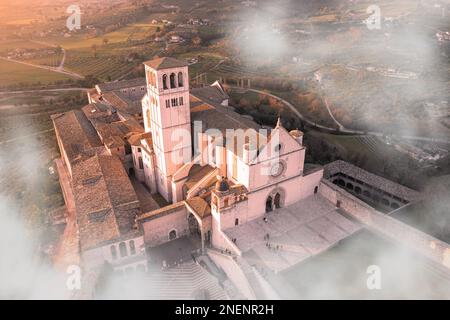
[222,185]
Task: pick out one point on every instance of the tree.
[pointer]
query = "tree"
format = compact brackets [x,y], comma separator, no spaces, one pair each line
[105,41]
[197,40]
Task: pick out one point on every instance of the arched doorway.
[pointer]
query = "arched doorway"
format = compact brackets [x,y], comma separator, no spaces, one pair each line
[194,229]
[269,205]
[277,201]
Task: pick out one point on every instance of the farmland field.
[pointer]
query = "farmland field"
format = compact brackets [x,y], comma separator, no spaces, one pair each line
[367,146]
[104,68]
[14,73]
[9,45]
[102,56]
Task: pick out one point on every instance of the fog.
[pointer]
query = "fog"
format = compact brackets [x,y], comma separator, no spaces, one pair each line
[26,273]
[342,272]
[361,69]
[374,102]
[26,268]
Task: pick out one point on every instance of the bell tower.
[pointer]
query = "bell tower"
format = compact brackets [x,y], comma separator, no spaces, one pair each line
[167,117]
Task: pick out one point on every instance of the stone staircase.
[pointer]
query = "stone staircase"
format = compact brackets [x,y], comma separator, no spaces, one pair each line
[251,278]
[183,282]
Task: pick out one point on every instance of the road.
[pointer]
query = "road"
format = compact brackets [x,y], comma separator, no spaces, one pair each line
[53,69]
[342,129]
[44,90]
[325,100]
[63,60]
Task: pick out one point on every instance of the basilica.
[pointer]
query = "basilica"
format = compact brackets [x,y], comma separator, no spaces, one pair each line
[150,162]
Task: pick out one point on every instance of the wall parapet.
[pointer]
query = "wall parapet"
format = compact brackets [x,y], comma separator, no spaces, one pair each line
[417,240]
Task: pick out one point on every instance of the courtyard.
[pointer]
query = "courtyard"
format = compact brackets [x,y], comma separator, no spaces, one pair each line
[289,235]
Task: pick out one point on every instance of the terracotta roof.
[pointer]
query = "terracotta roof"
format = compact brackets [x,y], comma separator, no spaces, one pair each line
[217,116]
[123,84]
[124,104]
[160,212]
[77,135]
[197,173]
[135,140]
[105,201]
[210,93]
[199,206]
[113,131]
[165,63]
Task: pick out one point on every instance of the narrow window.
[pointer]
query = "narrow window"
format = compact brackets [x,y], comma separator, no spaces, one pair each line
[173,84]
[167,103]
[141,164]
[113,252]
[236,222]
[123,249]
[181,101]
[180,79]
[164,80]
[132,248]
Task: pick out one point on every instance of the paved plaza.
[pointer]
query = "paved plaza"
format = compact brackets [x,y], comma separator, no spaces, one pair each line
[290,235]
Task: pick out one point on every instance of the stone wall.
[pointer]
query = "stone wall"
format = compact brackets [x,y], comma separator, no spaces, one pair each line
[233,271]
[96,257]
[219,239]
[427,245]
[159,224]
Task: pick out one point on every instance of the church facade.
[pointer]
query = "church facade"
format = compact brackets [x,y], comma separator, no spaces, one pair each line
[151,160]
[256,171]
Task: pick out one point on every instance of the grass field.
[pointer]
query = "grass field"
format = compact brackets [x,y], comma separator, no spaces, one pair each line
[14,73]
[49,60]
[24,172]
[367,146]
[102,67]
[84,55]
[9,45]
[132,32]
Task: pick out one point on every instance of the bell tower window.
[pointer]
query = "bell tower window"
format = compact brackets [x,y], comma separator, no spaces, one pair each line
[180,79]
[173,84]
[164,80]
